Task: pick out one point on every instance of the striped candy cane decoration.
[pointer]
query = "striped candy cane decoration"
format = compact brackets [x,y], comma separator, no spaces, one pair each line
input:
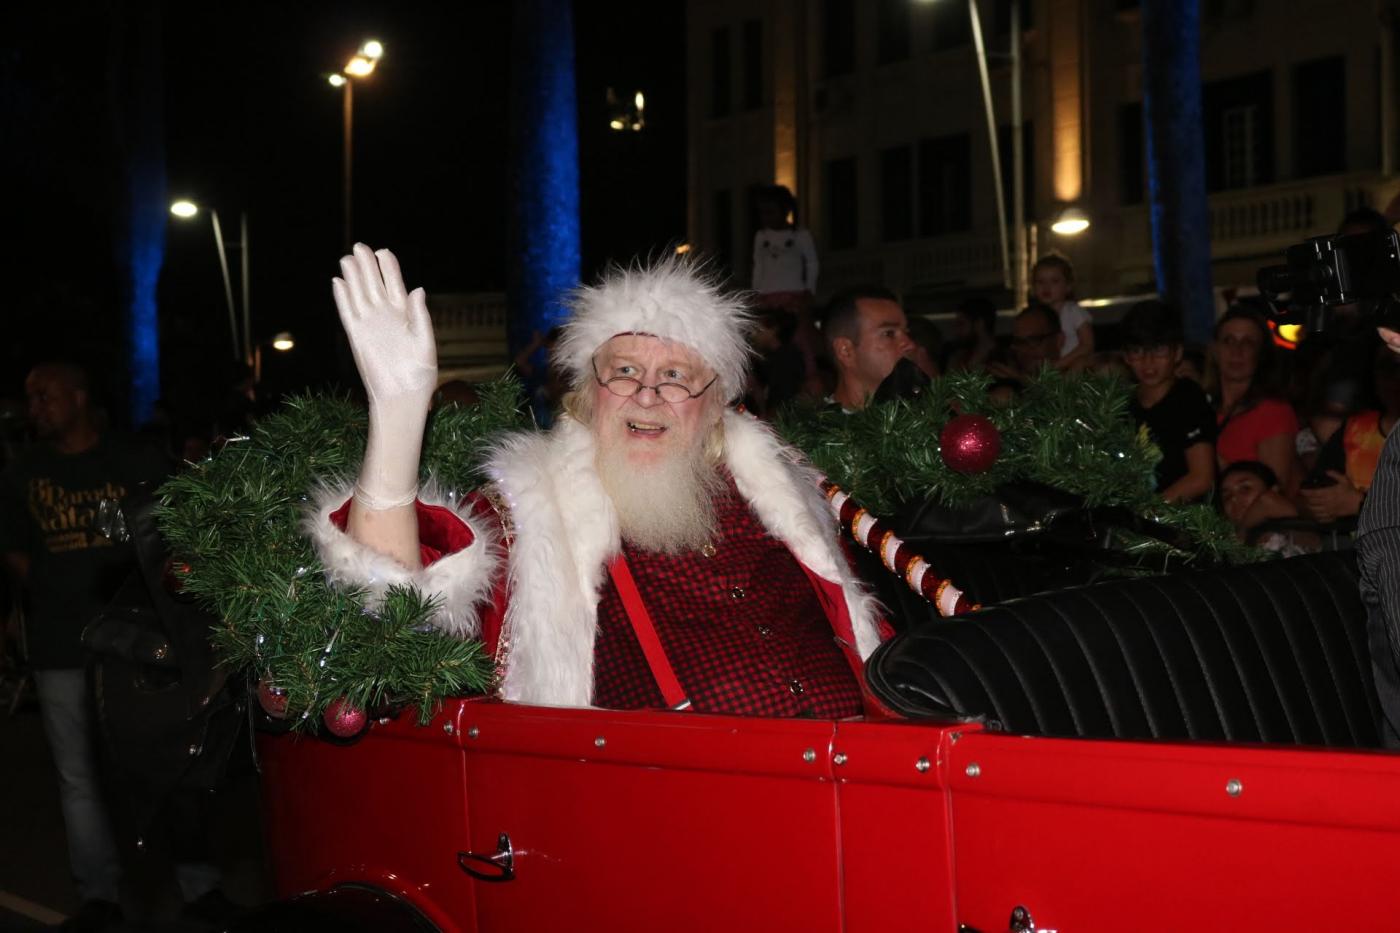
[871,533]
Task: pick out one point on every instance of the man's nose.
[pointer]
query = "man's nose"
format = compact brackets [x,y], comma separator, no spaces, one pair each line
[647,397]
[906,344]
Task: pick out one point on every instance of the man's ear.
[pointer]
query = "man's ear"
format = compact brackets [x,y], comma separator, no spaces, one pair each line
[843,348]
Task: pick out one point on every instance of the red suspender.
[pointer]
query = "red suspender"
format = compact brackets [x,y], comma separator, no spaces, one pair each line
[645,631]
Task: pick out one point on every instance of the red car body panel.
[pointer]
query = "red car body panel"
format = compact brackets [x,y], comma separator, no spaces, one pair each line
[676,821]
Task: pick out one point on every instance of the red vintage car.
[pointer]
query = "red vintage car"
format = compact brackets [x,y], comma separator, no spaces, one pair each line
[1189,752]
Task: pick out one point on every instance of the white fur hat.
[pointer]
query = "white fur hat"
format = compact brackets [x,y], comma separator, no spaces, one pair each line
[672,299]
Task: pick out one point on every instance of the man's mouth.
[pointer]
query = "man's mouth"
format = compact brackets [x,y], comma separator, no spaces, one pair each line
[645,428]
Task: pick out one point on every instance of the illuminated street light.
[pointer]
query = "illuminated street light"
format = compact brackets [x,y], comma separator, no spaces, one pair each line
[359,66]
[625,117]
[186,209]
[1071,222]
[283,342]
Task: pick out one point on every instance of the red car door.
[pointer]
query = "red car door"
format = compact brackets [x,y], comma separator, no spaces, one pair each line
[1111,835]
[649,821]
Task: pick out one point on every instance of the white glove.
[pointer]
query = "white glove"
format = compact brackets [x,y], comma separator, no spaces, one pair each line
[391,338]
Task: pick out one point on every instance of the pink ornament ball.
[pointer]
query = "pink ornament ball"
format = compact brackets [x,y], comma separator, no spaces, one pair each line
[970,443]
[272,699]
[343,719]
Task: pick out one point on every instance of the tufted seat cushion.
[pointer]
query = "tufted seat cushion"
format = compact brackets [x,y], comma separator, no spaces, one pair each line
[1270,652]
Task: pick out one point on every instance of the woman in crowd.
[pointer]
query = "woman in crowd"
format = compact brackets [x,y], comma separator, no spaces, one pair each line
[1254,422]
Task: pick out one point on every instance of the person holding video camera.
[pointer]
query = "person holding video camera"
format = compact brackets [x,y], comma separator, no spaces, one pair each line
[1378,556]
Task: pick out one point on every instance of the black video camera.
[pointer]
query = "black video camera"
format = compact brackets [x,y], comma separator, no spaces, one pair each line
[1323,272]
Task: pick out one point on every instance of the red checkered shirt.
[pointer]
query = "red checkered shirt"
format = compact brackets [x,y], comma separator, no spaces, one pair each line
[742,628]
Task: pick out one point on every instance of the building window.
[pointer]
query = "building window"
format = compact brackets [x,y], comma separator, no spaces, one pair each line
[1320,117]
[892,31]
[1003,15]
[720,69]
[753,64]
[951,28]
[838,37]
[842,214]
[723,233]
[896,194]
[1132,152]
[1239,131]
[945,185]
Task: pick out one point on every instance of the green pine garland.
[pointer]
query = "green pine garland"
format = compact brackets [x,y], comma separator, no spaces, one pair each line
[1071,432]
[234,520]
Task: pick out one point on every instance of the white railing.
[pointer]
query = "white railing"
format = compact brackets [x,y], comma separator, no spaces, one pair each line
[471,333]
[942,263]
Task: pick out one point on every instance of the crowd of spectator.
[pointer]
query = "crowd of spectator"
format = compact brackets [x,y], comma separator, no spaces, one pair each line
[1281,435]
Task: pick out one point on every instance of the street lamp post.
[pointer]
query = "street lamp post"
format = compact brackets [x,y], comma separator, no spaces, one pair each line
[1010,247]
[360,66]
[185,210]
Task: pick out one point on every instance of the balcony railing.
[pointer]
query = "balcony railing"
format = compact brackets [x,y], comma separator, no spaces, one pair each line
[947,263]
[1253,221]
[471,334]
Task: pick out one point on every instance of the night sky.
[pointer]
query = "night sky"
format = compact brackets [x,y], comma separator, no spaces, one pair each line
[252,125]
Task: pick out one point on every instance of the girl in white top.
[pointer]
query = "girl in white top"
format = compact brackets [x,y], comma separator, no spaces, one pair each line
[784,254]
[1052,284]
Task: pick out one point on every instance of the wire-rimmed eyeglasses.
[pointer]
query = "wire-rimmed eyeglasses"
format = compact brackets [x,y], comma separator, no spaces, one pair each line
[671,392]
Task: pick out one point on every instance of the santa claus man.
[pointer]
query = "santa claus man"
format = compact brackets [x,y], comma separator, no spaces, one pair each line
[656,548]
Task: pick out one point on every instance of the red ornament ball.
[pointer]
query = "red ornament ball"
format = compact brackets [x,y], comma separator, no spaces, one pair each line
[272,699]
[970,443]
[343,719]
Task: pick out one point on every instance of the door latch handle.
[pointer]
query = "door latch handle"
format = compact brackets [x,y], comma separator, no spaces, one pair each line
[1020,922]
[494,868]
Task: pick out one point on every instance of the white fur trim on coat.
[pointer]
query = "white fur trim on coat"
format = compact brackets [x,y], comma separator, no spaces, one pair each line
[566,531]
[461,582]
[671,299]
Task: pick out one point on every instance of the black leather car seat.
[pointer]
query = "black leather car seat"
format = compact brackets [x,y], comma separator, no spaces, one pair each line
[1270,652]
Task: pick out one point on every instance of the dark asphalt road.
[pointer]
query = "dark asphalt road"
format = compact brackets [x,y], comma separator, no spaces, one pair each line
[34,879]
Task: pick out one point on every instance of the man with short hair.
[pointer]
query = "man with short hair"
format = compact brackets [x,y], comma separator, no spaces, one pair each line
[974,334]
[868,334]
[49,500]
[1036,341]
[654,548]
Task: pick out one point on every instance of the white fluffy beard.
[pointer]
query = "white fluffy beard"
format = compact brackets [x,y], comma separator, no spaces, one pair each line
[666,506]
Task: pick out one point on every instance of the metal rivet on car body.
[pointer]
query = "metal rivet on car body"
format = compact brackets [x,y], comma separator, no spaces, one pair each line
[448,728]
[473,732]
[921,765]
[973,769]
[194,750]
[600,741]
[839,758]
[1234,787]
[810,755]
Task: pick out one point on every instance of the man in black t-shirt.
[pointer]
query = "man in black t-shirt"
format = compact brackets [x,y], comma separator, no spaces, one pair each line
[49,499]
[1175,411]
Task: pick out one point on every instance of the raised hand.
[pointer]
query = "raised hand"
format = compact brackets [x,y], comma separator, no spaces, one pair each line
[391,335]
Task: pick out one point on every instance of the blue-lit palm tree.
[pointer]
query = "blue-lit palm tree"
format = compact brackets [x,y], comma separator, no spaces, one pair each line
[1176,167]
